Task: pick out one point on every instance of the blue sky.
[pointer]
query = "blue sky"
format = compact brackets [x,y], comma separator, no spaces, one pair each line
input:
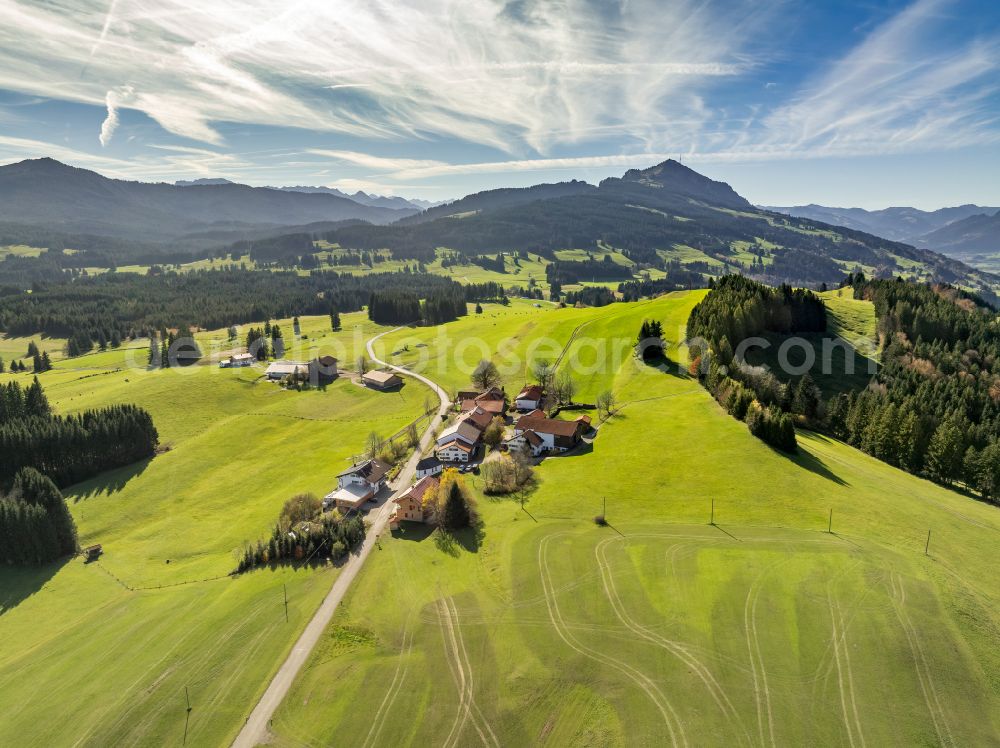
[864,104]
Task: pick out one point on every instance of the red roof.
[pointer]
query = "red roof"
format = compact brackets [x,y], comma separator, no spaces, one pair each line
[479,418]
[420,488]
[547,425]
[490,406]
[531,392]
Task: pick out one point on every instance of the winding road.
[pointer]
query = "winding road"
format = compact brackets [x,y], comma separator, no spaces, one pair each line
[255,731]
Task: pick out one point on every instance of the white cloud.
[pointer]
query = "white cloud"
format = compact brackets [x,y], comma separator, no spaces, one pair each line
[899,90]
[520,76]
[113,99]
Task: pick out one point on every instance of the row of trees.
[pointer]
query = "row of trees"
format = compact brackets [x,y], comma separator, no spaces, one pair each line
[400,306]
[301,534]
[121,306]
[934,408]
[71,448]
[35,523]
[737,308]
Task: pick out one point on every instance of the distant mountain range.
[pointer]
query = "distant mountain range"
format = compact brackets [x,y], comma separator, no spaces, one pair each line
[911,225]
[46,193]
[666,216]
[977,234]
[654,216]
[362,198]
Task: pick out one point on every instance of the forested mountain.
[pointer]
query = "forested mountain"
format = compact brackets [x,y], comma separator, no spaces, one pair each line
[975,234]
[500,198]
[49,194]
[899,224]
[653,215]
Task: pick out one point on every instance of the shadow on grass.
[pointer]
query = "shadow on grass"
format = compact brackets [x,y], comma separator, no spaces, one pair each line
[805,459]
[452,542]
[108,483]
[17,583]
[665,364]
[415,531]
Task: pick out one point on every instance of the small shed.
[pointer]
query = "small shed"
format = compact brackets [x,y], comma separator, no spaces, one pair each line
[382,380]
[92,552]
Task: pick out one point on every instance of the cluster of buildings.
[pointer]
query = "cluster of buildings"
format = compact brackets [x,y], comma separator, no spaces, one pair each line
[529,430]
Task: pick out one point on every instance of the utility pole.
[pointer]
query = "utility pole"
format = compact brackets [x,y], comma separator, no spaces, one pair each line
[829,527]
[927,546]
[187,697]
[284,588]
[604,508]
[712,521]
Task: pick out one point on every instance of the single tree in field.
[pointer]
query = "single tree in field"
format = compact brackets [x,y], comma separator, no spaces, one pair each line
[479,308]
[565,388]
[606,403]
[373,444]
[412,435]
[362,364]
[36,363]
[334,319]
[455,513]
[486,375]
[32,349]
[232,332]
[543,371]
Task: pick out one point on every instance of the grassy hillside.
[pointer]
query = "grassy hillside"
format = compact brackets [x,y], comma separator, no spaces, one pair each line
[111,646]
[663,628]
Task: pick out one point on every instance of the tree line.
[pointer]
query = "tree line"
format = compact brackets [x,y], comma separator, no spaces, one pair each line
[402,307]
[735,309]
[68,449]
[35,523]
[119,306]
[934,408]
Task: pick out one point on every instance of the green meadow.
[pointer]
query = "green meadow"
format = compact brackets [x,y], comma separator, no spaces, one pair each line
[662,628]
[111,647]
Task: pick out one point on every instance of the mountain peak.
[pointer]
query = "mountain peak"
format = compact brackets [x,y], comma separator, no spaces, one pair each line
[673,177]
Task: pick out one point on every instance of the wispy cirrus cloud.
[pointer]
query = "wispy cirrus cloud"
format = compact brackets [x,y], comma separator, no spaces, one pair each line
[905,87]
[519,76]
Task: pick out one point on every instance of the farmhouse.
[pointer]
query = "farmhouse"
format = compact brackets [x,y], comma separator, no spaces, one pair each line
[493,401]
[281,369]
[555,434]
[323,369]
[356,485]
[527,442]
[461,431]
[381,380]
[479,418]
[429,466]
[529,398]
[455,451]
[410,505]
[238,360]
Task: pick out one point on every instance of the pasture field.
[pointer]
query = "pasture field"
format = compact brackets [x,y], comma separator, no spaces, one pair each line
[662,628]
[110,646]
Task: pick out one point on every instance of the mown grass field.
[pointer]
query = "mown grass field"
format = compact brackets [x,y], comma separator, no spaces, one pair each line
[763,629]
[111,646]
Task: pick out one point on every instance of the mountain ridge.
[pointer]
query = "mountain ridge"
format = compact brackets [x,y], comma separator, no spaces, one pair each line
[45,192]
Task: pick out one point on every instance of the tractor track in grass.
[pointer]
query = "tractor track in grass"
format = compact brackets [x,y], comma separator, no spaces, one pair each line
[761,689]
[398,677]
[670,718]
[924,676]
[677,649]
[842,660]
[461,670]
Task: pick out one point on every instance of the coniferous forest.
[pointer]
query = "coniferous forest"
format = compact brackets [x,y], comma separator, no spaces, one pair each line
[933,408]
[125,305]
[35,523]
[68,449]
